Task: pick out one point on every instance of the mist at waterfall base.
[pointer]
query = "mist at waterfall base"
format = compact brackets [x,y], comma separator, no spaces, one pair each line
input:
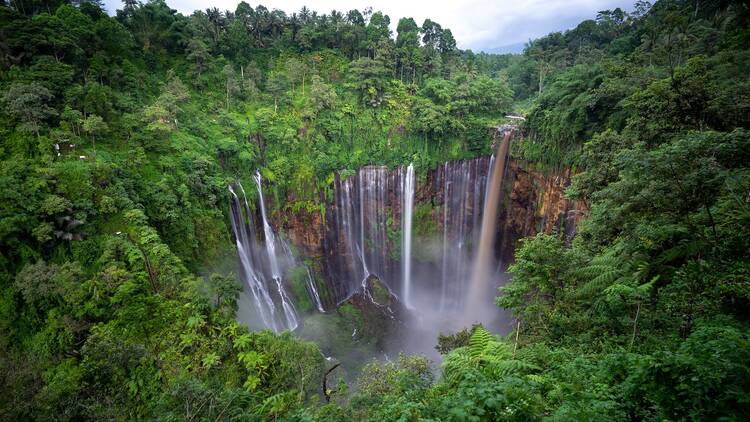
[476,305]
[429,274]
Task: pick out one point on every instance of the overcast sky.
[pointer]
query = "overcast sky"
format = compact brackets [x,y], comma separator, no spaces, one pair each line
[476,24]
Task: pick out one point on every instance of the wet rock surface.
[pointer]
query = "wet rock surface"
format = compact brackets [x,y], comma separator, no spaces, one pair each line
[350,231]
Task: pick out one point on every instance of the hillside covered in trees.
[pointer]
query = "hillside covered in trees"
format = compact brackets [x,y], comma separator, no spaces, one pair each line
[119,136]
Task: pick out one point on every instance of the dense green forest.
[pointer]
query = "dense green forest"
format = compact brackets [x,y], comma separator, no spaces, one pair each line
[119,136]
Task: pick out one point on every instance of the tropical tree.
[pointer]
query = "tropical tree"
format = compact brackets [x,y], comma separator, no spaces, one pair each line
[30,105]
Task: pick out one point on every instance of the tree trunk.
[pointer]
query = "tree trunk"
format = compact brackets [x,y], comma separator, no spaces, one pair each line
[541,78]
[635,325]
[325,383]
[713,223]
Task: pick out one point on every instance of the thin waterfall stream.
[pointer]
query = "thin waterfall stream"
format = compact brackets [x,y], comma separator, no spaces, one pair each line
[408,195]
[270,241]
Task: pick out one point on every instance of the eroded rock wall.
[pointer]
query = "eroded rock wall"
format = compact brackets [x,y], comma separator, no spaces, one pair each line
[533,201]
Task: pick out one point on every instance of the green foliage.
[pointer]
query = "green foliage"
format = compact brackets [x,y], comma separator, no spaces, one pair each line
[29,104]
[408,377]
[448,342]
[113,176]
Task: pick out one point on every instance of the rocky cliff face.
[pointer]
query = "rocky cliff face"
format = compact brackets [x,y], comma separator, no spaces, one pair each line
[303,228]
[535,202]
[452,196]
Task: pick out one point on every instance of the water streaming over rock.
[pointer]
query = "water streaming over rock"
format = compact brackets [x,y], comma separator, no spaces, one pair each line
[250,264]
[408,197]
[363,223]
[263,264]
[374,212]
[460,187]
[313,291]
[271,242]
[369,228]
[483,261]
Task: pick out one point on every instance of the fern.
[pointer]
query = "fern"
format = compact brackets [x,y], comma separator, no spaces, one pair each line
[608,270]
[277,404]
[480,340]
[507,367]
[599,283]
[456,364]
[485,353]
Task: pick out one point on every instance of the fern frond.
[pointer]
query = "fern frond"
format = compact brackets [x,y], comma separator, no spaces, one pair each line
[597,284]
[505,367]
[456,364]
[479,341]
[540,379]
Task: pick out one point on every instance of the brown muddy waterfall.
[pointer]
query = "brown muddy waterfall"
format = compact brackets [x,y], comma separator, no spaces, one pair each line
[483,262]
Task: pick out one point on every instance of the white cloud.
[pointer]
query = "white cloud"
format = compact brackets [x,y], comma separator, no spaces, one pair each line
[476,24]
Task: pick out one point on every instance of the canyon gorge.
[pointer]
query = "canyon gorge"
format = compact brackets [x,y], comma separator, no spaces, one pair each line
[398,241]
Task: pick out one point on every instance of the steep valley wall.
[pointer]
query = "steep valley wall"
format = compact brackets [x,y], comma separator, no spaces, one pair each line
[532,202]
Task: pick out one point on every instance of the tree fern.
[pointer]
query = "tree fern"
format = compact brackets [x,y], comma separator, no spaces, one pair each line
[608,270]
[479,342]
[505,367]
[602,272]
[485,353]
[457,363]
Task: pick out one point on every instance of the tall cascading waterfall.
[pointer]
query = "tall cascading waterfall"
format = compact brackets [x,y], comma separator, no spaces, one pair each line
[461,187]
[250,264]
[366,212]
[263,265]
[482,268]
[408,198]
[271,247]
[369,206]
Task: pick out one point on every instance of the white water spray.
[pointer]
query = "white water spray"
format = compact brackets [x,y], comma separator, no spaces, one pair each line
[408,196]
[253,280]
[289,312]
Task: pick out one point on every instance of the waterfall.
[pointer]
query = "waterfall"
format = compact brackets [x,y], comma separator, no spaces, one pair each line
[365,214]
[408,197]
[314,291]
[270,242]
[353,239]
[246,242]
[260,267]
[461,189]
[369,206]
[482,269]
[373,185]
[267,231]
